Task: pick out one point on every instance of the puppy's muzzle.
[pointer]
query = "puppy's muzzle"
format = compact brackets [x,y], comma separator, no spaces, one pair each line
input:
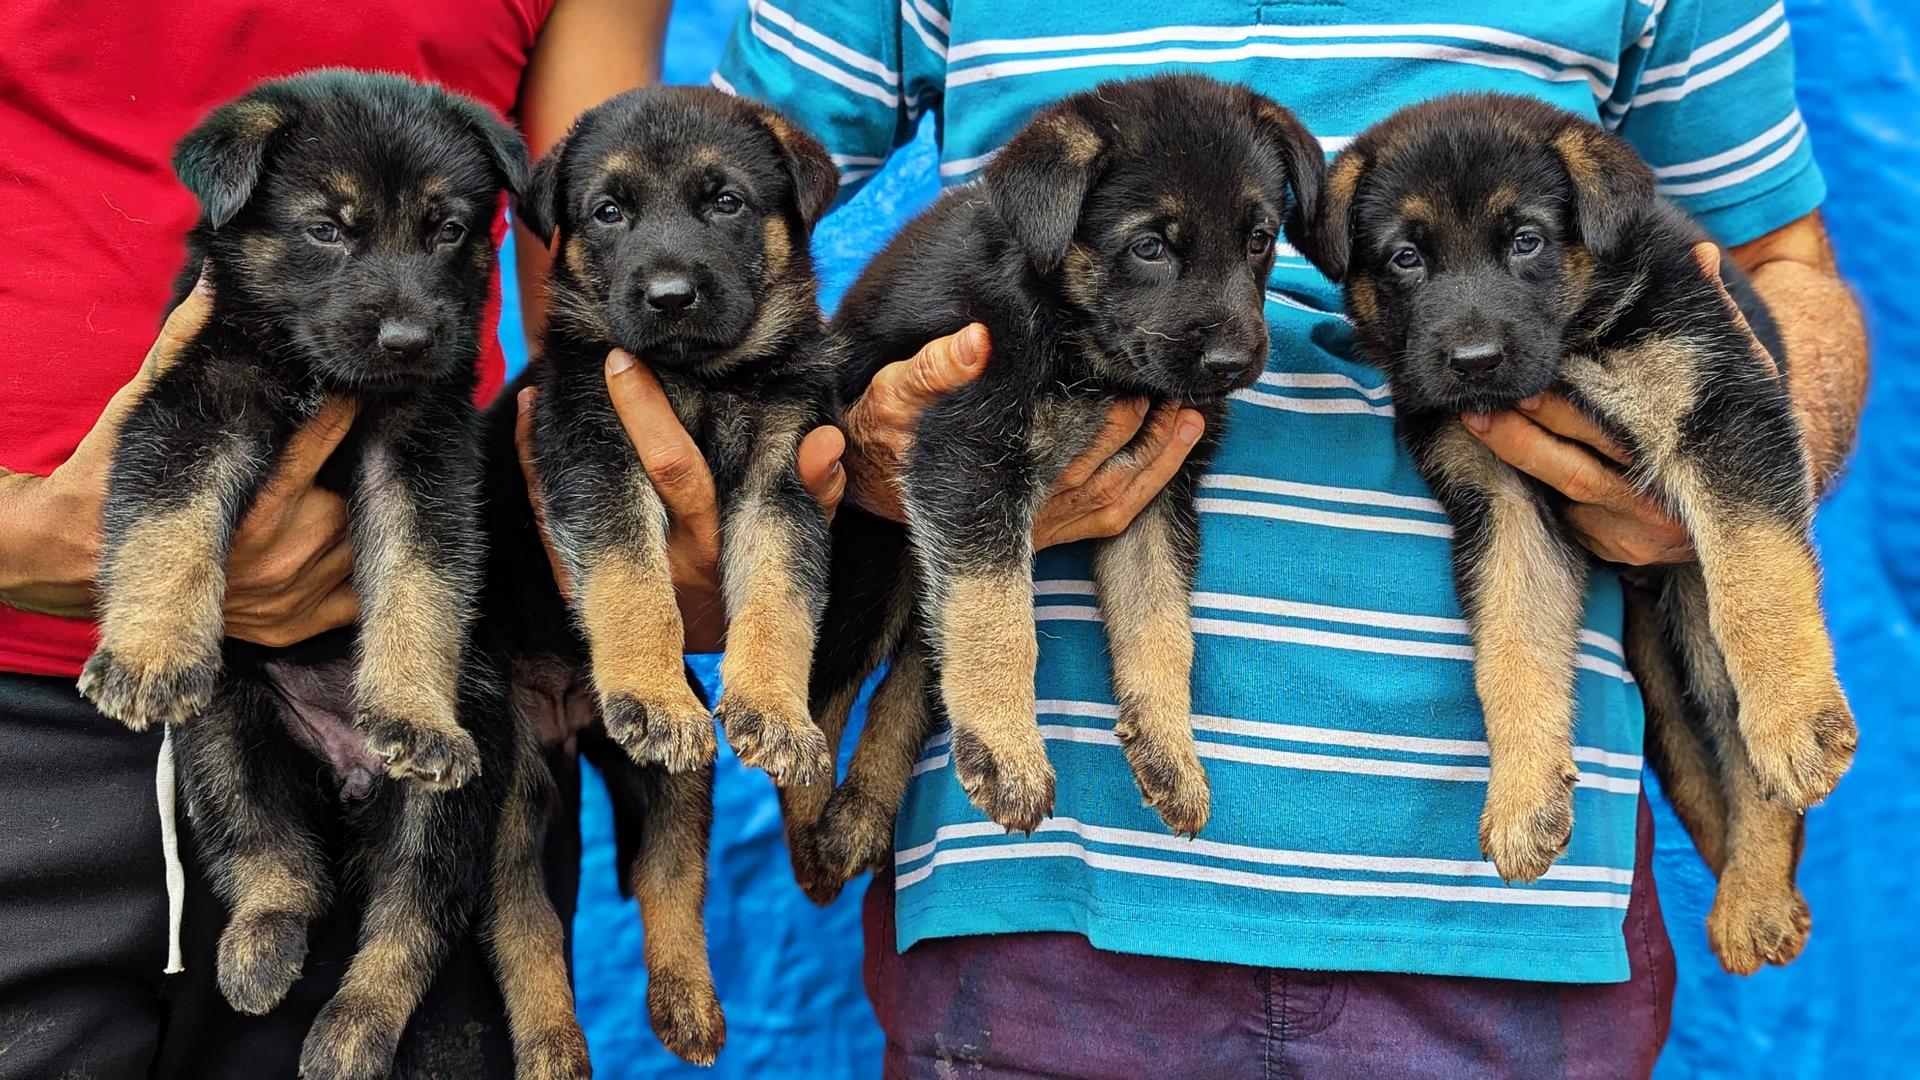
[405,340]
[1475,358]
[671,295]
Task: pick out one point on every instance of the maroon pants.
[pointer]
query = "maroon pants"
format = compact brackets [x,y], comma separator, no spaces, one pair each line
[1049,1004]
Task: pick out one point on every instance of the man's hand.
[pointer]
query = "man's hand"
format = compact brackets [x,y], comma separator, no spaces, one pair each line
[288,572]
[1098,495]
[679,473]
[1558,445]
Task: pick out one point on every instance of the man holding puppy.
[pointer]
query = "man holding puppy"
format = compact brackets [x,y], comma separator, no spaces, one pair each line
[1335,917]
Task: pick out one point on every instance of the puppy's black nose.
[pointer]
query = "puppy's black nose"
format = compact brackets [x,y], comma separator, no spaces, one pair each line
[1475,359]
[671,295]
[1226,365]
[404,340]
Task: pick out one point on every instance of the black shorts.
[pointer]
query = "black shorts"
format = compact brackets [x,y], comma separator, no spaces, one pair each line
[83,925]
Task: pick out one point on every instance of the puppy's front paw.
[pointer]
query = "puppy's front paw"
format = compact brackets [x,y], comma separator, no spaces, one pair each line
[1170,777]
[347,1042]
[1756,923]
[686,1015]
[785,744]
[560,1054]
[439,757]
[260,958]
[140,692]
[1800,753]
[1527,821]
[1011,784]
[676,733]
[855,834]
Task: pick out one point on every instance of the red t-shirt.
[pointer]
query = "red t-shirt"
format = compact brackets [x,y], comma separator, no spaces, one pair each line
[93,223]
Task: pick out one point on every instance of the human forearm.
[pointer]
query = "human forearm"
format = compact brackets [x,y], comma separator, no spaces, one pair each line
[1793,270]
[45,567]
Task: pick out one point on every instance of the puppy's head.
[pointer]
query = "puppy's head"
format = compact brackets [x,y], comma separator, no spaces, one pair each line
[352,212]
[679,218]
[1468,231]
[1152,207]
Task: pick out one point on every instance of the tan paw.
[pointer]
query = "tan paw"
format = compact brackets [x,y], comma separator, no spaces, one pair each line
[855,833]
[1171,779]
[1011,784]
[686,1016]
[672,731]
[1798,755]
[348,1042]
[1756,924]
[1527,822]
[260,958]
[439,757]
[784,743]
[560,1054]
[141,693]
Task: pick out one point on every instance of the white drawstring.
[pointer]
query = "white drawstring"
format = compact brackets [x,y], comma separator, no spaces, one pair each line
[170,851]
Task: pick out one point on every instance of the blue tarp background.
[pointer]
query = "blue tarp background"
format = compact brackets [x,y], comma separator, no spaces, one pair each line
[789,974]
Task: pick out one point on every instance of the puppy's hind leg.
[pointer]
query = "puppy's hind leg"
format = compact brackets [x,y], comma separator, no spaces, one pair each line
[1676,744]
[669,879]
[524,935]
[1758,916]
[252,799]
[425,872]
[856,828]
[1145,578]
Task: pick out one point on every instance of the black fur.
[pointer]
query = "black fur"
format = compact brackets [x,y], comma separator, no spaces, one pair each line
[1118,247]
[346,233]
[1494,248]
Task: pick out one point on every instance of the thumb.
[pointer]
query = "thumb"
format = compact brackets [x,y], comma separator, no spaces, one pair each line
[944,365]
[669,455]
[186,319]
[309,448]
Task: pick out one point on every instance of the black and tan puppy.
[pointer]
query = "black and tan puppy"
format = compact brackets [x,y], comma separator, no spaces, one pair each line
[679,219]
[1118,247]
[1493,248]
[345,232]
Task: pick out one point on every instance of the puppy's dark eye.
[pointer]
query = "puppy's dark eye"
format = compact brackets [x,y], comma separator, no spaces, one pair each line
[1408,259]
[1260,242]
[324,231]
[607,213]
[452,232]
[1149,249]
[728,203]
[1526,242]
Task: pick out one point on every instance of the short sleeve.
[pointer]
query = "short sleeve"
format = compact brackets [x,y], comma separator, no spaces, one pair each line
[1706,96]
[858,75]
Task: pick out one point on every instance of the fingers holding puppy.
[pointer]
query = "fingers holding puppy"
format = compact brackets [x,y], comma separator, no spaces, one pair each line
[1135,455]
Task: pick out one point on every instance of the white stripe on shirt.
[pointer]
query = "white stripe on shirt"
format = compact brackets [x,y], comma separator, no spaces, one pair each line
[1726,42]
[1743,173]
[912,19]
[1129,864]
[1715,74]
[1728,157]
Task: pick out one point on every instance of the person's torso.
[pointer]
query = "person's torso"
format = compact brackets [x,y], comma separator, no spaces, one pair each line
[92,99]
[1332,660]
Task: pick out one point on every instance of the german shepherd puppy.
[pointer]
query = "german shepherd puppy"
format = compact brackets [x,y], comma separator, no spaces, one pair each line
[1495,247]
[1118,246]
[345,230]
[679,220]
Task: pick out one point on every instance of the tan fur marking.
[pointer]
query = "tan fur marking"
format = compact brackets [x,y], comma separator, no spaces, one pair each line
[1418,208]
[1581,164]
[1344,180]
[1648,390]
[413,622]
[634,629]
[528,945]
[1526,608]
[1082,276]
[1688,774]
[777,242]
[1500,200]
[345,185]
[989,650]
[1078,143]
[669,882]
[257,119]
[1150,632]
[1364,302]
[164,590]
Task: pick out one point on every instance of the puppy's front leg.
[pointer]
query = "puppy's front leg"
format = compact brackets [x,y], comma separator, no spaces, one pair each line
[776,544]
[417,553]
[1145,578]
[183,474]
[1522,585]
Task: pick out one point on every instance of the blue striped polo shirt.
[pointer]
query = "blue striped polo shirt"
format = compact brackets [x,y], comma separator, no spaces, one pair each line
[1332,691]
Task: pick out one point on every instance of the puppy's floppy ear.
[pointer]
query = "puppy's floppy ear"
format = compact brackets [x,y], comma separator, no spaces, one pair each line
[220,161]
[504,146]
[1610,184]
[1306,164]
[1038,181]
[541,203]
[815,178]
[1326,239]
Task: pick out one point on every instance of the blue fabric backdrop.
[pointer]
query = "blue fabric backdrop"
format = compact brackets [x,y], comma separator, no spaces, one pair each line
[789,974]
